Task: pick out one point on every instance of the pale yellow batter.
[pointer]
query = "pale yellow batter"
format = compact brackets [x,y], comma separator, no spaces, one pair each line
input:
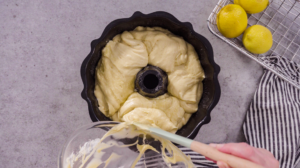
[125,55]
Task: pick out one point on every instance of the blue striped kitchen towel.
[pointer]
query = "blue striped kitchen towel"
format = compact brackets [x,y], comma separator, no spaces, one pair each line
[273,120]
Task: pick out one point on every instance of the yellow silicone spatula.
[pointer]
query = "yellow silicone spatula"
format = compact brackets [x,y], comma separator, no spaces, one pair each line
[203,149]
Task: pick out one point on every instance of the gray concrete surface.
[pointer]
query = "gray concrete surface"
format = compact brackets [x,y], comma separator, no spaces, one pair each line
[43,44]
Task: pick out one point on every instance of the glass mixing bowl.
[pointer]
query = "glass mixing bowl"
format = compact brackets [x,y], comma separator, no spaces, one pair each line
[82,142]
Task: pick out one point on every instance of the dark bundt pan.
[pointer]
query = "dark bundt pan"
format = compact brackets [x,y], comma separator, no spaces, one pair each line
[211,88]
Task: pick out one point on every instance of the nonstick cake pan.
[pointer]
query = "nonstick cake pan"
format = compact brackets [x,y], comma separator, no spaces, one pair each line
[211,88]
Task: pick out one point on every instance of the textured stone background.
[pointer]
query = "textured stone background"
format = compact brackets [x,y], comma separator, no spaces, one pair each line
[43,44]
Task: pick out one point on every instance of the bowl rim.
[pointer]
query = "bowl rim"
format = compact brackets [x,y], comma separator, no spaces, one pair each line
[206,44]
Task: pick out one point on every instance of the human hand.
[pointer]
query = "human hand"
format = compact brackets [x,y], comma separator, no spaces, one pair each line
[259,156]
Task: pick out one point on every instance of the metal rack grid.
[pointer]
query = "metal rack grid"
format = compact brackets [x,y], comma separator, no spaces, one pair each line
[282,18]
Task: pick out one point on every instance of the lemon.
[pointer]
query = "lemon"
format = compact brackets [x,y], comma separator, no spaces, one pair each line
[232,20]
[252,6]
[257,39]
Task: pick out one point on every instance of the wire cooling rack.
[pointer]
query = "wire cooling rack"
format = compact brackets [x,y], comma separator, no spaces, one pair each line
[282,18]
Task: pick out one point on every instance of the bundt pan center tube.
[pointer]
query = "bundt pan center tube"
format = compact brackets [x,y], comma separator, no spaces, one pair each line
[159,81]
[151,82]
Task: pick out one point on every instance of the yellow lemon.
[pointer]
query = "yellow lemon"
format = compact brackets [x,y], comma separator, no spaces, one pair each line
[257,39]
[252,6]
[232,20]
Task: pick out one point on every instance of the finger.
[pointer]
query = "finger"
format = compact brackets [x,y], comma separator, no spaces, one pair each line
[237,149]
[222,164]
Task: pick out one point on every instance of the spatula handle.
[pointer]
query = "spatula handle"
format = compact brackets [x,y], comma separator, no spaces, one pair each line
[214,154]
